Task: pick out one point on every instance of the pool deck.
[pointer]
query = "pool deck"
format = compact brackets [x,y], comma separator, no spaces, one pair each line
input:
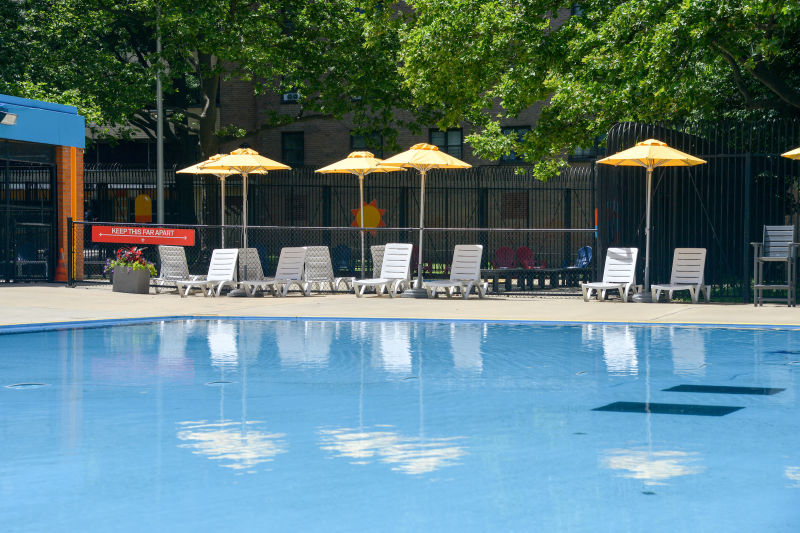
[48,303]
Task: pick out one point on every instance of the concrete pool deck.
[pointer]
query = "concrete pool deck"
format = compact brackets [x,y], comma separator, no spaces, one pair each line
[47,303]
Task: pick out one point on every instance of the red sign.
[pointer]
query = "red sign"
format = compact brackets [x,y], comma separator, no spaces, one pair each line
[143,235]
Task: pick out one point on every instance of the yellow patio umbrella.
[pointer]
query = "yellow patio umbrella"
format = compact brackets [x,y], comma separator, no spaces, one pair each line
[244,161]
[792,154]
[423,157]
[221,174]
[359,164]
[650,154]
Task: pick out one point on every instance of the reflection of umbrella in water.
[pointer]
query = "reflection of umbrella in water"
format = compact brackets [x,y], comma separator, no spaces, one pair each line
[409,455]
[236,445]
[653,467]
[650,154]
[243,161]
[423,157]
[359,164]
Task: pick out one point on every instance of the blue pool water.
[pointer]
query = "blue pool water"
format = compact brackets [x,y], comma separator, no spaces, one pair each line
[207,425]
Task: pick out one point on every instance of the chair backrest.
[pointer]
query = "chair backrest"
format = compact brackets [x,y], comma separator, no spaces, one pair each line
[620,265]
[291,262]
[504,257]
[688,266]
[525,257]
[778,241]
[223,264]
[250,265]
[377,258]
[584,257]
[396,261]
[318,264]
[173,262]
[466,262]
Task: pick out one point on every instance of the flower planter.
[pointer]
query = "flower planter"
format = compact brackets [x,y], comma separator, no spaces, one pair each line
[131,281]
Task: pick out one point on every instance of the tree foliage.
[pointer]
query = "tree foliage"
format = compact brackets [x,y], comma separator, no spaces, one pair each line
[614,60]
[100,55]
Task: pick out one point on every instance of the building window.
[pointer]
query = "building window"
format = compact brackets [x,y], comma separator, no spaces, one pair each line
[292,97]
[372,142]
[292,148]
[448,141]
[518,132]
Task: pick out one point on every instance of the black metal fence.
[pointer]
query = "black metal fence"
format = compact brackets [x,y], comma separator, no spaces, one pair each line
[721,206]
[27,234]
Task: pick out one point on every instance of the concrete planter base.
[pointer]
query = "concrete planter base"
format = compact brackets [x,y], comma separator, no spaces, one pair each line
[135,281]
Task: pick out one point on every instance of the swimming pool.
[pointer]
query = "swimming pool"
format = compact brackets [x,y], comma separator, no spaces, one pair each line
[278,425]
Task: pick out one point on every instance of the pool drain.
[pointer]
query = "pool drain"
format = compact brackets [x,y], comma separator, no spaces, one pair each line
[218,383]
[26,385]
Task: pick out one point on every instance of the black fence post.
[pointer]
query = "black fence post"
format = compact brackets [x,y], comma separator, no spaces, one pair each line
[746,258]
[70,249]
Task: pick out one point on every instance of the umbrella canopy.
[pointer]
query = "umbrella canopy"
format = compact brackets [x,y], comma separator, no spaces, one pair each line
[650,154]
[792,154]
[423,157]
[359,164]
[243,161]
[197,168]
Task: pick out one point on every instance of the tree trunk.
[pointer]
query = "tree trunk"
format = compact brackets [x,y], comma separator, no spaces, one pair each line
[209,84]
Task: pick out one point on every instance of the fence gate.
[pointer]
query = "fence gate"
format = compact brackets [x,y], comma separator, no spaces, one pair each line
[27,212]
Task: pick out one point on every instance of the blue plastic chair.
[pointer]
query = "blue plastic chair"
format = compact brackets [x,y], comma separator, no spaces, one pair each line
[340,257]
[584,257]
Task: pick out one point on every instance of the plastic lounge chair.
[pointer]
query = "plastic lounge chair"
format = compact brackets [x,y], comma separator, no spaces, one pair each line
[464,275]
[221,272]
[504,257]
[394,271]
[688,265]
[619,274]
[778,246]
[250,270]
[288,273]
[173,267]
[319,270]
[376,251]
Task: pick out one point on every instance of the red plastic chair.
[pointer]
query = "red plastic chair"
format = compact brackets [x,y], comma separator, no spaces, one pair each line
[526,260]
[504,258]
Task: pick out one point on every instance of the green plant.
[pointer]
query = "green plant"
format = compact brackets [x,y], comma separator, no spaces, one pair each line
[131,259]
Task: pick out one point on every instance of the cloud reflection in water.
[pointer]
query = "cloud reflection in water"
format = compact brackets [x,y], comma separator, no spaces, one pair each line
[653,467]
[410,455]
[235,446]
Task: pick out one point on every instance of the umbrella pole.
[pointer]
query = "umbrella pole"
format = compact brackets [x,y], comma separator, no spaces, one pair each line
[361,210]
[222,208]
[421,227]
[647,232]
[646,296]
[244,211]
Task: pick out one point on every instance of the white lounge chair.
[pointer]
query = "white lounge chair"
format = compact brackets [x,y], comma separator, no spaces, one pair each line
[465,273]
[688,266]
[173,267]
[394,271]
[250,270]
[619,274]
[319,270]
[288,273]
[221,272]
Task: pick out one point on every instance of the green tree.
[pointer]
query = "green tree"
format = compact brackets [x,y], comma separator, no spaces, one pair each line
[100,55]
[638,60]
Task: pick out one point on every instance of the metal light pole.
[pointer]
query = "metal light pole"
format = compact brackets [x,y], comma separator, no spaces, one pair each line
[159,127]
